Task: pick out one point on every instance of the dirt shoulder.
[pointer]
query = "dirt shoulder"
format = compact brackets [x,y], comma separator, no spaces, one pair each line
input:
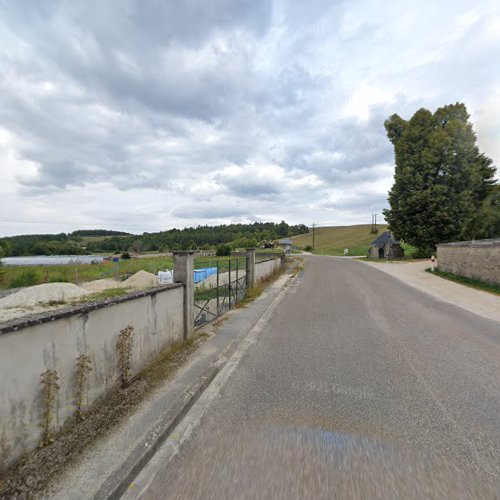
[413,273]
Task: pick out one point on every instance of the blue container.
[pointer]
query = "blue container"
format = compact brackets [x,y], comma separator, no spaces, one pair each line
[204,273]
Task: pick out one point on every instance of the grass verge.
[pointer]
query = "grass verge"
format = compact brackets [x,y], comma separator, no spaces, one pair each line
[110,293]
[39,468]
[470,282]
[293,265]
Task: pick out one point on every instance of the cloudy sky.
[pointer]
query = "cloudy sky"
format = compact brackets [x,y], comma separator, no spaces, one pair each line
[143,115]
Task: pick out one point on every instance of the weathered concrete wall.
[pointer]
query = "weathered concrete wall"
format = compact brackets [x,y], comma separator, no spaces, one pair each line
[474,259]
[53,340]
[266,268]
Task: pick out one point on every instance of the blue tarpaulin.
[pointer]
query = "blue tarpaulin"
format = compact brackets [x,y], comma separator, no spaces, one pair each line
[203,274]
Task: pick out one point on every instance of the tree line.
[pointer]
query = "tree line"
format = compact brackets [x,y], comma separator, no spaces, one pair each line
[201,237]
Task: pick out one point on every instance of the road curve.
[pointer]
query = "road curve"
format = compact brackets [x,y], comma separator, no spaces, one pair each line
[357,387]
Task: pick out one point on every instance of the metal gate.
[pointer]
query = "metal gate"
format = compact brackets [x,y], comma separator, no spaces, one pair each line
[221,291]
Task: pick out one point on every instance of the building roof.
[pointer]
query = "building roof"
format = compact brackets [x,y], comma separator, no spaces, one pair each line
[383,239]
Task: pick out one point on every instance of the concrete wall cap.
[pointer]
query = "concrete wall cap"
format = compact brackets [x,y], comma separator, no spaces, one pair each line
[472,243]
[55,314]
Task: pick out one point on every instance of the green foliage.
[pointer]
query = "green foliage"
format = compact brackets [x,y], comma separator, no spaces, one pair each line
[110,293]
[57,248]
[223,250]
[473,283]
[441,180]
[26,278]
[97,232]
[124,347]
[125,255]
[83,368]
[242,235]
[189,245]
[23,244]
[486,222]
[309,248]
[50,389]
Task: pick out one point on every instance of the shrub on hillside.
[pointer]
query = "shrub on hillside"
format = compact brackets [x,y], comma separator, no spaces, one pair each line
[308,248]
[223,250]
[125,255]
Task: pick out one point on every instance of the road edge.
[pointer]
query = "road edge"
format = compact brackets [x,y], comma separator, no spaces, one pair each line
[184,428]
[118,482]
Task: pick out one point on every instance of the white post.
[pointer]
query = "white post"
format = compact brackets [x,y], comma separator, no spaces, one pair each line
[433,263]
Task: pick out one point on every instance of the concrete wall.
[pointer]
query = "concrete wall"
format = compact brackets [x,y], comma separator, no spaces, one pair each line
[53,340]
[478,259]
[266,268]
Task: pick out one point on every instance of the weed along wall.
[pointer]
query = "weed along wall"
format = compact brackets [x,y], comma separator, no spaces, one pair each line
[54,364]
[478,259]
[265,268]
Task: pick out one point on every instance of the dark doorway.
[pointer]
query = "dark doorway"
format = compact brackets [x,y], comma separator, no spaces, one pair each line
[381,253]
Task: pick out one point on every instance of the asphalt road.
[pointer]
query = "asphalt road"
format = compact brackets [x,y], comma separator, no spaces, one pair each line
[357,387]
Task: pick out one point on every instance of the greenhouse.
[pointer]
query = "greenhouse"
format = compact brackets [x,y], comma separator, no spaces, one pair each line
[52,260]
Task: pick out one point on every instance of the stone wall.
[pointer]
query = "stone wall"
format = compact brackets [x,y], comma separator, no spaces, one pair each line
[53,340]
[473,259]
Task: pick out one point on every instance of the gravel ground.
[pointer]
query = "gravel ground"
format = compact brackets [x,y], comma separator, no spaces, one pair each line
[413,273]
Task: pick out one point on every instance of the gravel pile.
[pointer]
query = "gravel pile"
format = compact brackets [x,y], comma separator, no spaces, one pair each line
[141,280]
[42,294]
[48,296]
[100,285]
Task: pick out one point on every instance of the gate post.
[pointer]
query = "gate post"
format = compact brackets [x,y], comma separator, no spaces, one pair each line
[183,273]
[250,268]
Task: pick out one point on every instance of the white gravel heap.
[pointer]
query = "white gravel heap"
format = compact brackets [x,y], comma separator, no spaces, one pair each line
[141,280]
[100,285]
[42,294]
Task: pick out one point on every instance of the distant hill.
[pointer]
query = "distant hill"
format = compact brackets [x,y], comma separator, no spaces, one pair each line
[332,240]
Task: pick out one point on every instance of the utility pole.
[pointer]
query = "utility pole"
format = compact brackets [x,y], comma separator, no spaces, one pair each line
[314,225]
[374,224]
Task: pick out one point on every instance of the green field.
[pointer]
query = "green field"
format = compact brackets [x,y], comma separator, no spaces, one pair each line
[19,276]
[333,240]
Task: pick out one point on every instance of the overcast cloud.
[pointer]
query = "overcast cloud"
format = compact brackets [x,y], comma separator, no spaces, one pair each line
[147,115]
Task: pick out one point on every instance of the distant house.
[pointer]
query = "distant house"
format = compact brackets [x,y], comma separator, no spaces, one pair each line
[386,247]
[266,244]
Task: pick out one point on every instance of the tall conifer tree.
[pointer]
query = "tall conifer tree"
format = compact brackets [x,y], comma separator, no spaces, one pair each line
[442,183]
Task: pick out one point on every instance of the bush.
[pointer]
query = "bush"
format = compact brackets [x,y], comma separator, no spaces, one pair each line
[26,278]
[308,248]
[223,250]
[125,255]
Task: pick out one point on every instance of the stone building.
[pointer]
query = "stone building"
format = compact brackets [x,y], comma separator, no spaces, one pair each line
[385,247]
